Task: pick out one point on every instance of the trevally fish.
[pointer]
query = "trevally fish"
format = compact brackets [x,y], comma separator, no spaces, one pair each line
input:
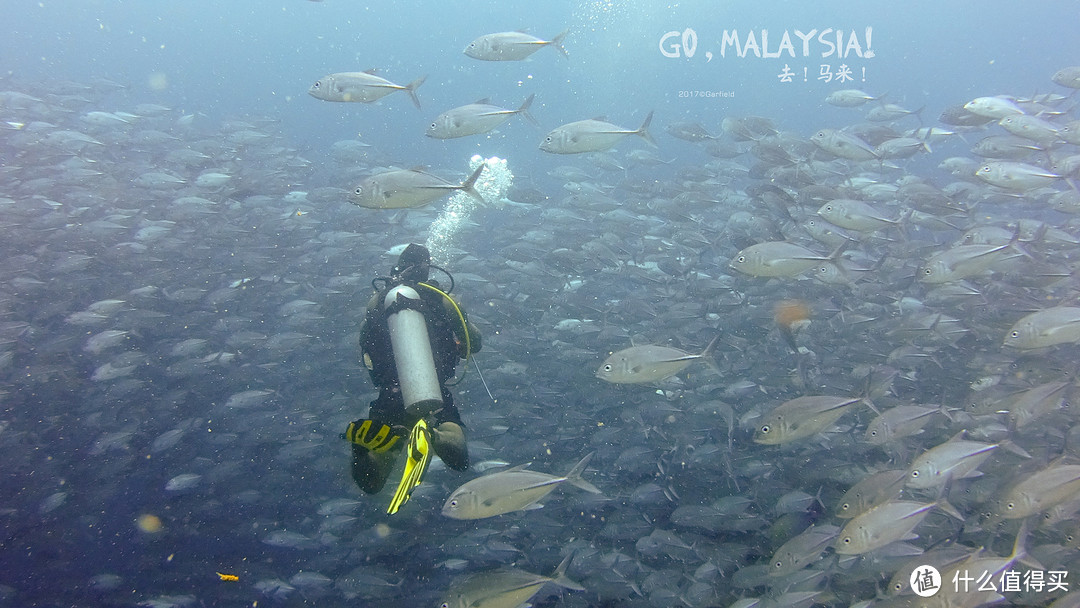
[1037,492]
[503,588]
[510,490]
[802,417]
[886,523]
[403,188]
[364,87]
[954,459]
[849,98]
[591,135]
[992,107]
[511,46]
[802,550]
[475,118]
[1015,176]
[1056,325]
[869,492]
[650,363]
[778,259]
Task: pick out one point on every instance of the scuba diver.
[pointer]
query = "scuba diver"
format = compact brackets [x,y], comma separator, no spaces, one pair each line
[412,338]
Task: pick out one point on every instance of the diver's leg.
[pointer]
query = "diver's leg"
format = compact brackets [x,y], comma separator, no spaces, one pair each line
[448,439]
[369,469]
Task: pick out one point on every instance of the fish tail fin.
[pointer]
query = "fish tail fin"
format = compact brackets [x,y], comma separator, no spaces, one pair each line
[1019,551]
[643,130]
[926,140]
[707,354]
[1014,242]
[1008,445]
[557,42]
[524,109]
[559,576]
[918,114]
[411,89]
[943,503]
[574,476]
[467,186]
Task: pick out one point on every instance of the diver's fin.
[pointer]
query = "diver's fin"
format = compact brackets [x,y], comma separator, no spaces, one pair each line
[419,455]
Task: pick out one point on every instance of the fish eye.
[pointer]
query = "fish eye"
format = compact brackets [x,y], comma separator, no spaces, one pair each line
[547,138]
[873,433]
[914,473]
[1014,334]
[928,271]
[741,259]
[828,207]
[444,605]
[453,503]
[433,125]
[845,506]
[316,85]
[985,169]
[607,368]
[820,134]
[359,191]
[779,564]
[1010,506]
[765,429]
[898,586]
[846,540]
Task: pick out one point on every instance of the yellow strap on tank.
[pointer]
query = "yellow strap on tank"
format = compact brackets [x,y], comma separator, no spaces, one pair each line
[460,316]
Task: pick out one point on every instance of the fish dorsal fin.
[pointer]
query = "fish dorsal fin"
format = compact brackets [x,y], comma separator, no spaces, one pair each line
[520,467]
[485,101]
[371,71]
[600,118]
[419,168]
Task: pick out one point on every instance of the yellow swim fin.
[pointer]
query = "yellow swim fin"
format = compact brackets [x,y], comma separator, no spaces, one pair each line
[419,454]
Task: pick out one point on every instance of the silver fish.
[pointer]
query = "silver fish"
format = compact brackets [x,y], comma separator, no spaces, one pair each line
[504,587]
[591,135]
[406,188]
[869,492]
[511,46]
[363,87]
[510,490]
[649,363]
[801,417]
[954,459]
[1057,325]
[776,259]
[884,524]
[898,422]
[992,107]
[849,98]
[801,551]
[474,118]
[1015,176]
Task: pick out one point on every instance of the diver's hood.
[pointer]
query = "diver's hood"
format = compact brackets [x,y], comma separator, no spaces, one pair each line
[414,264]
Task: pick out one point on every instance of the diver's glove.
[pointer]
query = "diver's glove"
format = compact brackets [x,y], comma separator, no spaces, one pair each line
[372,434]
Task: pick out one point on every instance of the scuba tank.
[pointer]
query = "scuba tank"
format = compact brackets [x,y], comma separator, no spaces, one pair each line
[409,341]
